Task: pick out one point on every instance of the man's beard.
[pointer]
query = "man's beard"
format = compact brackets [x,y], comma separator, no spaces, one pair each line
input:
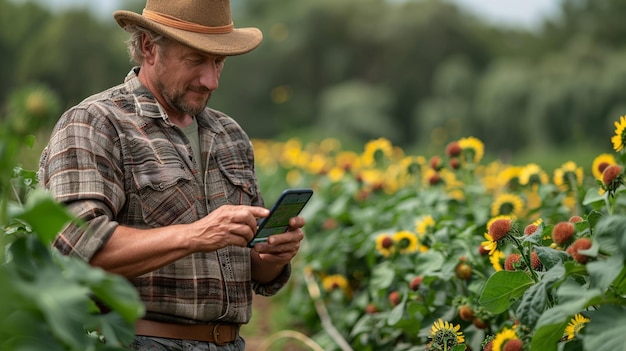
[176,99]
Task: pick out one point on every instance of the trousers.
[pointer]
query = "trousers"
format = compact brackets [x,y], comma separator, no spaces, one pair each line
[149,343]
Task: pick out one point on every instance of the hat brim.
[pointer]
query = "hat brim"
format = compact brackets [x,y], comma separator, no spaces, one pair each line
[237,42]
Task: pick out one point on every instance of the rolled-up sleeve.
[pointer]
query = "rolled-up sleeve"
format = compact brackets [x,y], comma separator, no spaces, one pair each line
[80,167]
[274,286]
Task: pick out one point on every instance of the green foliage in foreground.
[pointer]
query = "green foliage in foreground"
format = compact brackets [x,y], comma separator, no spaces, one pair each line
[49,301]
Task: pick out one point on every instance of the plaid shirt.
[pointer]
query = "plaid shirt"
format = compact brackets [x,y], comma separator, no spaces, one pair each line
[115,159]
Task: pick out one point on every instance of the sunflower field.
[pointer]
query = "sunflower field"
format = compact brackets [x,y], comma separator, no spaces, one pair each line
[404,252]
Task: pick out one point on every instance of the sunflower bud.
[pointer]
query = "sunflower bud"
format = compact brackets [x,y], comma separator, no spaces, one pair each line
[578,245]
[453,149]
[612,178]
[563,232]
[500,228]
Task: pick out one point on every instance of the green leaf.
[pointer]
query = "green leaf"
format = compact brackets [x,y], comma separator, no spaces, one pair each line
[593,196]
[428,262]
[395,315]
[503,288]
[363,325]
[620,283]
[606,329]
[603,273]
[594,217]
[29,140]
[610,233]
[534,300]
[45,215]
[112,290]
[574,297]
[382,276]
[63,304]
[28,256]
[546,337]
[551,325]
[115,330]
[550,257]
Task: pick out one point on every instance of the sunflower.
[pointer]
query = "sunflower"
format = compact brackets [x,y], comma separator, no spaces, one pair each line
[575,325]
[493,219]
[329,146]
[489,176]
[412,165]
[507,204]
[454,187]
[425,225]
[496,260]
[532,174]
[348,160]
[490,245]
[501,228]
[619,139]
[318,164]
[444,335]
[292,154]
[406,241]
[336,174]
[385,245]
[508,178]
[372,178]
[568,176]
[600,163]
[335,282]
[376,151]
[472,148]
[570,202]
[533,202]
[502,338]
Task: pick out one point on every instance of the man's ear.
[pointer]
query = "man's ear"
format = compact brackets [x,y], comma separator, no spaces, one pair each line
[148,48]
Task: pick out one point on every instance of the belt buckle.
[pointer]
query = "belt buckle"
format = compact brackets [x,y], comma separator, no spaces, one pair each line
[216,335]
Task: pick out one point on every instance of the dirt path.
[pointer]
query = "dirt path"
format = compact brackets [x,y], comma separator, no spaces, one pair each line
[261,328]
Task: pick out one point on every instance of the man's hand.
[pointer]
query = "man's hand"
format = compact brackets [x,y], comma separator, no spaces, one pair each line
[269,258]
[226,225]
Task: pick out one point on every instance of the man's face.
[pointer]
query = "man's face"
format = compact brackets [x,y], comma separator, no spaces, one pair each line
[186,77]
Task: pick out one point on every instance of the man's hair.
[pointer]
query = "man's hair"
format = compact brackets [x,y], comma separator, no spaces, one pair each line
[134,42]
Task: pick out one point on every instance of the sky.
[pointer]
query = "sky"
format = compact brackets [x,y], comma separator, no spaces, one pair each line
[514,13]
[523,13]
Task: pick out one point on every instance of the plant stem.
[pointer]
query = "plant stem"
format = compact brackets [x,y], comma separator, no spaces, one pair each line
[526,257]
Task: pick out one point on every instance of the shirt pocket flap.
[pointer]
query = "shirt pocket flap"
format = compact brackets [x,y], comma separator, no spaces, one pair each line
[160,176]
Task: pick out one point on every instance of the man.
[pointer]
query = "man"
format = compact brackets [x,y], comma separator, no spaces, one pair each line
[167,186]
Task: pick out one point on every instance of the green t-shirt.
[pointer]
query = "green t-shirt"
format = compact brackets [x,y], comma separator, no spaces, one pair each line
[191,131]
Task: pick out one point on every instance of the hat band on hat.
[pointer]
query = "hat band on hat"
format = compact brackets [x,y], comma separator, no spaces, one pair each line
[185,25]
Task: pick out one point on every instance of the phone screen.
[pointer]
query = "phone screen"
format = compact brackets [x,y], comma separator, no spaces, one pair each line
[289,204]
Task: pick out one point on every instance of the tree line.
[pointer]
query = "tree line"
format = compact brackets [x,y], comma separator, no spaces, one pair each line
[416,72]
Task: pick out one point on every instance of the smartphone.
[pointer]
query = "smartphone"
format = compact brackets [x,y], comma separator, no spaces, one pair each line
[289,204]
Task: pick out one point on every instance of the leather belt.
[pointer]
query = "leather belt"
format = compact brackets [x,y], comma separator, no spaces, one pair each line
[216,333]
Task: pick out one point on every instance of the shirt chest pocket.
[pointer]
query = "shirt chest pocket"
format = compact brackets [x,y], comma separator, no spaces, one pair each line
[162,194]
[235,170]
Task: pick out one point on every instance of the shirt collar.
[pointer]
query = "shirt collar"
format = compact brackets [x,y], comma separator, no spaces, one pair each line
[146,104]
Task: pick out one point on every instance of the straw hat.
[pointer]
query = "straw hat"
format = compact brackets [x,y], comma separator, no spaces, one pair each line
[205,25]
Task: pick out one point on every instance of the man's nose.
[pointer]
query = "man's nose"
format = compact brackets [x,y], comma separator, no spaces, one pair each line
[210,76]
